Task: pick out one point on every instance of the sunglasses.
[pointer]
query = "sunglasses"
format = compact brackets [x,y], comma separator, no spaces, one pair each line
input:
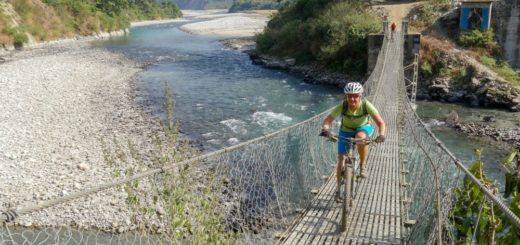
[353,96]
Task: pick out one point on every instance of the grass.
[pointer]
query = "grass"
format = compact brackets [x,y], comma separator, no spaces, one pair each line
[189,198]
[54,19]
[502,68]
[428,12]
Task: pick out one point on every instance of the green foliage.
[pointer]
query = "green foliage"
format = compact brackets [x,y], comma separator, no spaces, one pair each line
[61,18]
[427,13]
[484,44]
[18,33]
[478,39]
[502,68]
[471,205]
[190,200]
[332,33]
[241,5]
[432,61]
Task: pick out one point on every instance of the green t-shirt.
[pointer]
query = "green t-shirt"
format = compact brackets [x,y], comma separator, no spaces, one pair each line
[354,119]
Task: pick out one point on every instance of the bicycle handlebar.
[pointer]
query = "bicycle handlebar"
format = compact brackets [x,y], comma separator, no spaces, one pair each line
[354,140]
[335,137]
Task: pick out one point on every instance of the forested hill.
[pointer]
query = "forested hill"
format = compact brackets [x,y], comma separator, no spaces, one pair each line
[43,20]
[331,33]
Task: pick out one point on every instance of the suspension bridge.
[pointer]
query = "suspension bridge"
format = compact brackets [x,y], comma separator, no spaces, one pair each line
[279,188]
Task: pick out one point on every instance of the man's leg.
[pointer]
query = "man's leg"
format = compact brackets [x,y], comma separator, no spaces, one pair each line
[363,153]
[362,148]
[338,171]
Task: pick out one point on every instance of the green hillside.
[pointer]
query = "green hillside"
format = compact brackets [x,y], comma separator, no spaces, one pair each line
[331,33]
[53,19]
[241,5]
[202,4]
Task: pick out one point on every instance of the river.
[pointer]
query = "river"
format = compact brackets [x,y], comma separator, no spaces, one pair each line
[222,99]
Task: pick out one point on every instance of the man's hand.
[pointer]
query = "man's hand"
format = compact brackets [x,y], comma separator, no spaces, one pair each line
[325,133]
[380,139]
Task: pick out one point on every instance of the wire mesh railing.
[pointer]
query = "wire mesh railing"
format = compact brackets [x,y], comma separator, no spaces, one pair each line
[250,192]
[432,178]
[247,192]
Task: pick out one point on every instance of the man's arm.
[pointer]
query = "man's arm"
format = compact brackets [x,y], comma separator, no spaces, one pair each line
[328,121]
[380,123]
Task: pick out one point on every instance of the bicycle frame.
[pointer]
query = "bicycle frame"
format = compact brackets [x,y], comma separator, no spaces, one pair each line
[350,171]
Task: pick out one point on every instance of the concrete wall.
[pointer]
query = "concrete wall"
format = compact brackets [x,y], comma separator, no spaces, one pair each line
[506,25]
[512,43]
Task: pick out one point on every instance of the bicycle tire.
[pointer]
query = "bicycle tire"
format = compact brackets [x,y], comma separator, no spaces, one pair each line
[346,196]
[355,173]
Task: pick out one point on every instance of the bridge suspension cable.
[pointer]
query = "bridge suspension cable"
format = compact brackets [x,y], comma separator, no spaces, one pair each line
[255,190]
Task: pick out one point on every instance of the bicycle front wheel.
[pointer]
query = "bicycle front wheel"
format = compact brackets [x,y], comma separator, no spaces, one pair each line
[346,196]
[353,180]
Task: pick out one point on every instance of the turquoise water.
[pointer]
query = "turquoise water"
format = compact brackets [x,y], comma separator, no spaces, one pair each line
[221,98]
[433,113]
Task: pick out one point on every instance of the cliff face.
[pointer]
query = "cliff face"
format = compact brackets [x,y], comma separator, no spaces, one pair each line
[506,23]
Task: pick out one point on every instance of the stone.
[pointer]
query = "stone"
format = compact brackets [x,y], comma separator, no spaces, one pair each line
[474,83]
[83,166]
[452,118]
[160,210]
[473,100]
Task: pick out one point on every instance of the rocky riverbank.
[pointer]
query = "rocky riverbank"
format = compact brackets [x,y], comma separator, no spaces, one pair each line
[511,136]
[312,73]
[467,81]
[483,128]
[59,104]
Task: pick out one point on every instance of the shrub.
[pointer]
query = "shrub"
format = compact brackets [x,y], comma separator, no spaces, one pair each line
[264,41]
[478,39]
[332,33]
[18,34]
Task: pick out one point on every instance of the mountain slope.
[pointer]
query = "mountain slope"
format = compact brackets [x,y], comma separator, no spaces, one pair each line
[22,21]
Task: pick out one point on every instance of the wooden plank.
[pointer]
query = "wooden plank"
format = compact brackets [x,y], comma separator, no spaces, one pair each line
[305,227]
[376,214]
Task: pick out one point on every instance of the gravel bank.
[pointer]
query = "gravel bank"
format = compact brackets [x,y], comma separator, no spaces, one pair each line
[57,104]
[230,25]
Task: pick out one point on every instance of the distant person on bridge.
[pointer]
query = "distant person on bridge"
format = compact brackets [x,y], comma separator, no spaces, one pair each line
[393,27]
[355,112]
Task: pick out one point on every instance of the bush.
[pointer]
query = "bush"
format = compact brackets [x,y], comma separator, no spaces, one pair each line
[332,33]
[264,41]
[478,39]
[18,34]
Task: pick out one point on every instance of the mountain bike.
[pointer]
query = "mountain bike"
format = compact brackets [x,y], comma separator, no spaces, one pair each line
[350,171]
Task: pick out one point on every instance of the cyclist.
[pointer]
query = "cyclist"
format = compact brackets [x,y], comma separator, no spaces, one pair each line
[393,27]
[355,112]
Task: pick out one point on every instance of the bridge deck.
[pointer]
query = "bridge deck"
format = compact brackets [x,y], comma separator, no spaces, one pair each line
[376,212]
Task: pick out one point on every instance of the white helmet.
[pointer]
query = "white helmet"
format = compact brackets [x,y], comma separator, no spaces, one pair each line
[353,88]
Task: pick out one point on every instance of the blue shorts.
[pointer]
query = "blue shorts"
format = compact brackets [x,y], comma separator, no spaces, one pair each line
[343,145]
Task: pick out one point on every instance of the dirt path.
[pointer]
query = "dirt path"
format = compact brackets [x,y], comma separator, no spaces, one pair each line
[397,11]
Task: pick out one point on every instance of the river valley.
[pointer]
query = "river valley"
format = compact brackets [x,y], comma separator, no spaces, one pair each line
[222,99]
